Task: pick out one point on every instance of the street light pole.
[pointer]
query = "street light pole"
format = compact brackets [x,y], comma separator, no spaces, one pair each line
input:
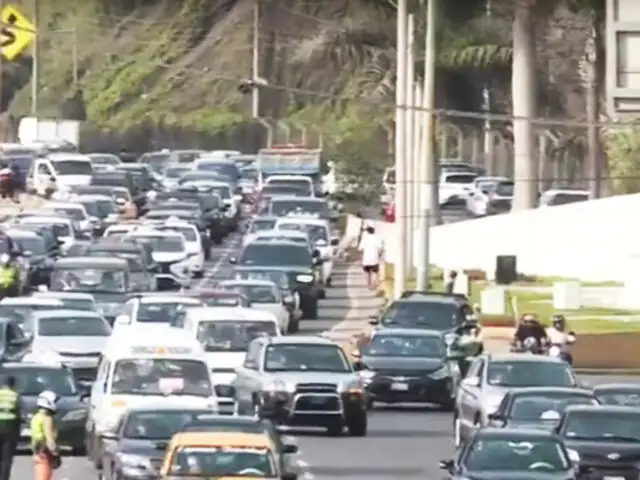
[409,153]
[35,62]
[400,272]
[255,68]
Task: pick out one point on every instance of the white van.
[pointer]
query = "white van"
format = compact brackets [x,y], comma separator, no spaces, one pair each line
[142,364]
[67,169]
[305,183]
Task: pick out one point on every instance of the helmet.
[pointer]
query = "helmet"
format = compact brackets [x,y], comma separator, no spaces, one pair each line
[47,400]
[558,319]
[4,258]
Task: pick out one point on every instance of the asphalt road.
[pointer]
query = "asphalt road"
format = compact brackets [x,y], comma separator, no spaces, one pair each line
[403,442]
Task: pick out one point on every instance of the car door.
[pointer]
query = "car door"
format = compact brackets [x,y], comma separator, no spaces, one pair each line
[468,399]
[17,343]
[110,450]
[248,374]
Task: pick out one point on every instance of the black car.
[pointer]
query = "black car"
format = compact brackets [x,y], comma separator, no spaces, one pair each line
[538,407]
[104,209]
[510,454]
[618,393]
[33,248]
[142,268]
[301,266]
[146,181]
[607,439]
[31,380]
[243,424]
[211,205]
[107,279]
[135,448]
[408,365]
[15,343]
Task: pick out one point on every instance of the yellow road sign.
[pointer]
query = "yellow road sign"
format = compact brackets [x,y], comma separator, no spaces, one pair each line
[16,32]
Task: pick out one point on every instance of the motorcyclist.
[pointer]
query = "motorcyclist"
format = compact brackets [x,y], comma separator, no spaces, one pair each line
[9,277]
[529,327]
[560,337]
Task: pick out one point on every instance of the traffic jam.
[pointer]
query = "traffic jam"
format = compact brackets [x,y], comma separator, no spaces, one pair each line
[161,301]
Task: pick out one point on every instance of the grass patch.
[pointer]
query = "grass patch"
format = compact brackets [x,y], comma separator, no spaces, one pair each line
[549,281]
[540,304]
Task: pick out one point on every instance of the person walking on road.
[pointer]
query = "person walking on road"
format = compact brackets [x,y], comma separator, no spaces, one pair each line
[46,455]
[451,281]
[372,249]
[10,418]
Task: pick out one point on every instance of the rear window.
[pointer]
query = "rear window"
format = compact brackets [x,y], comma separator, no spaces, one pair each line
[565,198]
[504,189]
[460,179]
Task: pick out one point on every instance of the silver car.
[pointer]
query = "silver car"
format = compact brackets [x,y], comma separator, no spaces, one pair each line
[302,381]
[77,337]
[490,377]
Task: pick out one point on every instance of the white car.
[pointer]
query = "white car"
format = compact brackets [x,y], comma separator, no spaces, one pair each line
[490,195]
[455,187]
[67,228]
[263,295]
[169,250]
[156,308]
[72,300]
[75,211]
[193,242]
[257,225]
[321,237]
[120,229]
[554,197]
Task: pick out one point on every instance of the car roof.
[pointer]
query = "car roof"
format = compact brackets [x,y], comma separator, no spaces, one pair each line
[602,408]
[413,332]
[429,297]
[207,314]
[163,297]
[19,301]
[263,283]
[543,390]
[62,295]
[16,232]
[281,234]
[282,198]
[301,340]
[276,242]
[169,404]
[617,386]
[98,262]
[507,432]
[519,357]
[207,439]
[65,314]
[265,217]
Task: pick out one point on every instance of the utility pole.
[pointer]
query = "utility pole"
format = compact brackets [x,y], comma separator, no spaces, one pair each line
[429,196]
[400,272]
[489,150]
[35,62]
[409,153]
[593,135]
[255,69]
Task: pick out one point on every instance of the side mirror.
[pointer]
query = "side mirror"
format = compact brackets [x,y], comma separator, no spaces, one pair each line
[470,382]
[233,260]
[335,242]
[321,243]
[289,448]
[494,417]
[315,253]
[373,320]
[113,436]
[446,465]
[358,366]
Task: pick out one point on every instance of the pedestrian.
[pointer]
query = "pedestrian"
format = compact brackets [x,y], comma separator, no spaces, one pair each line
[17,180]
[451,281]
[46,455]
[372,249]
[6,181]
[10,418]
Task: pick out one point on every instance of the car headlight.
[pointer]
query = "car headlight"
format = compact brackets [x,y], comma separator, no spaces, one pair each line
[134,461]
[278,386]
[441,373]
[305,278]
[74,416]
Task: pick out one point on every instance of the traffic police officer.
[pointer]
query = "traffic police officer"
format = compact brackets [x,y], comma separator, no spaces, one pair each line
[10,419]
[9,277]
[46,455]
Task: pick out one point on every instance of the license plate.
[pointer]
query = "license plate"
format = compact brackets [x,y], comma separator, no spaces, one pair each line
[26,432]
[400,386]
[317,401]
[612,478]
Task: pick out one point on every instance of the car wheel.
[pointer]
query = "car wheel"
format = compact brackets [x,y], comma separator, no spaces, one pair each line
[357,425]
[335,428]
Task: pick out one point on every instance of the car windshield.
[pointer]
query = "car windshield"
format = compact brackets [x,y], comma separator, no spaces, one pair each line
[158,425]
[618,397]
[33,381]
[300,185]
[275,276]
[405,346]
[72,167]
[530,374]
[281,208]
[156,376]
[78,304]
[505,189]
[232,336]
[161,312]
[439,316]
[275,255]
[460,179]
[261,225]
[516,454]
[188,233]
[306,358]
[257,293]
[73,213]
[288,190]
[34,244]
[162,243]
[603,426]
[214,462]
[73,327]
[534,407]
[105,159]
[176,172]
[100,208]
[249,174]
[88,279]
[315,232]
[228,169]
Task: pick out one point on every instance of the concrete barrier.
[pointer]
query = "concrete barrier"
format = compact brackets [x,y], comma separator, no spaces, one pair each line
[592,241]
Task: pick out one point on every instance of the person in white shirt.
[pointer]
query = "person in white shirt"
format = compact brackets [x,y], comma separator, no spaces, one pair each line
[372,248]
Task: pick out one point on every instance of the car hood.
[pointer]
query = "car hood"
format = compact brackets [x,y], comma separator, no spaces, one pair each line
[72,344]
[402,364]
[312,377]
[223,365]
[164,257]
[500,475]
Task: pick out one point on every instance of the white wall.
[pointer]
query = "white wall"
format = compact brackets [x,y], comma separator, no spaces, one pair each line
[598,240]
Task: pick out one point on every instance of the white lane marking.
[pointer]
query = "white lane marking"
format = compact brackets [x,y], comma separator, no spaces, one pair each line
[226,252]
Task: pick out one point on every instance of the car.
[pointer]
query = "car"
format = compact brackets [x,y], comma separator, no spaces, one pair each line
[135,446]
[506,453]
[278,276]
[67,230]
[194,242]
[265,295]
[606,438]
[36,262]
[19,308]
[455,187]
[258,224]
[302,267]
[538,407]
[491,376]
[554,197]
[73,300]
[490,195]
[102,208]
[32,378]
[15,341]
[77,337]
[409,366]
[153,308]
[216,297]
[319,207]
[302,381]
[615,393]
[107,279]
[222,455]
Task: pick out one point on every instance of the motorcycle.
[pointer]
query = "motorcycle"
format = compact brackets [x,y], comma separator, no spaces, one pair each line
[530,345]
[562,350]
